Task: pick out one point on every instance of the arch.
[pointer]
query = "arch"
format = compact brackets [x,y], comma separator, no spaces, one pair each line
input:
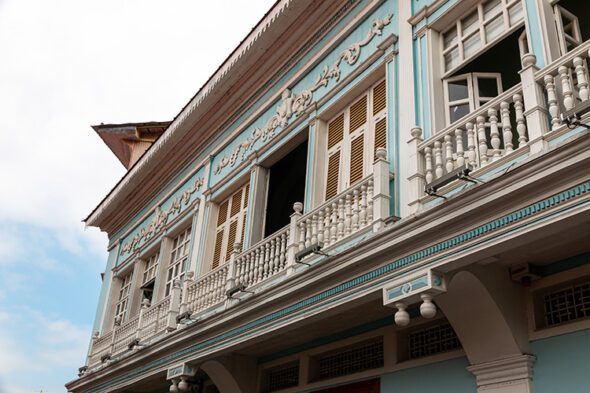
[487,311]
[221,377]
[232,373]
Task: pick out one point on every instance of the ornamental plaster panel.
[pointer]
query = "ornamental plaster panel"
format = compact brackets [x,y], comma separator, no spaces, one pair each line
[295,104]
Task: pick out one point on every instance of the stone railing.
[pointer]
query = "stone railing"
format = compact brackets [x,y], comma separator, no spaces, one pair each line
[263,260]
[206,291]
[124,335]
[518,122]
[154,319]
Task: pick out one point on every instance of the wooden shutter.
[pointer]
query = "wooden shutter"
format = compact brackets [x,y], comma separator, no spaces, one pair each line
[335,131]
[380,136]
[356,159]
[217,250]
[222,216]
[358,114]
[379,98]
[231,238]
[332,178]
[236,203]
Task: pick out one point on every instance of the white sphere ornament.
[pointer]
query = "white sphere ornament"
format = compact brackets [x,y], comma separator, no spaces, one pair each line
[427,308]
[401,317]
[174,386]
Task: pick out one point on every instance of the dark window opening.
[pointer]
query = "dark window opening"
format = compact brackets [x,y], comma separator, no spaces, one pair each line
[286,186]
[581,10]
[507,50]
[148,291]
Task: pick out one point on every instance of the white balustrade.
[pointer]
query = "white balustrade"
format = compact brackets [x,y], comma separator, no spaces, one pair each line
[207,291]
[339,217]
[486,135]
[263,260]
[124,335]
[565,82]
[154,320]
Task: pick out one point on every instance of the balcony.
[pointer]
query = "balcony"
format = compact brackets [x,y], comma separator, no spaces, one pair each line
[356,212]
[520,122]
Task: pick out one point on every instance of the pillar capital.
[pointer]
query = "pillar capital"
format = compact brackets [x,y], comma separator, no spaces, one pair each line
[512,374]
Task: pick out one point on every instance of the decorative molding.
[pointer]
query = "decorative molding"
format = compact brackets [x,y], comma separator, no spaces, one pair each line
[514,369]
[374,278]
[409,288]
[161,218]
[293,104]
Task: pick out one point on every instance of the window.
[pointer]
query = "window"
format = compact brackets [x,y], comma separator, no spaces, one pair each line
[478,28]
[568,29]
[178,258]
[281,377]
[123,298]
[149,276]
[353,138]
[464,93]
[231,225]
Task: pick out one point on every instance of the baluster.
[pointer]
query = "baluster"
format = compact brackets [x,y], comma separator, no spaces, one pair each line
[506,126]
[566,86]
[334,228]
[581,74]
[449,153]
[438,159]
[370,201]
[282,252]
[314,229]
[340,226]
[258,265]
[276,246]
[471,154]
[320,226]
[301,235]
[327,225]
[308,232]
[363,209]
[494,132]
[552,101]
[460,153]
[267,259]
[428,162]
[483,143]
[520,124]
[355,210]
[347,214]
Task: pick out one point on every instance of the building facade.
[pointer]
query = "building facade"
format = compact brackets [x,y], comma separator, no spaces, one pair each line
[367,196]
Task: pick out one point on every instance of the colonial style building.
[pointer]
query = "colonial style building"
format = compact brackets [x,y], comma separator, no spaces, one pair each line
[367,196]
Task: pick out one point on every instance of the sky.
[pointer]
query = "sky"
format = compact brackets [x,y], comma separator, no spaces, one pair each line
[66,65]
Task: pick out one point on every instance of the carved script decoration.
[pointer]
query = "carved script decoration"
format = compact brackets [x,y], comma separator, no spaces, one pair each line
[161,218]
[292,104]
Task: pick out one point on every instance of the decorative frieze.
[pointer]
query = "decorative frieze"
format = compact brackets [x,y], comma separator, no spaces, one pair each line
[295,104]
[161,218]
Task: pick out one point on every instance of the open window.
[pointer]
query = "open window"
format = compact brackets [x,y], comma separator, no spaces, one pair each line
[149,277]
[231,225]
[570,33]
[123,296]
[286,185]
[352,139]
[467,92]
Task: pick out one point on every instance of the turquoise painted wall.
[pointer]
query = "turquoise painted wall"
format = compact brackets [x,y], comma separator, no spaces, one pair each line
[104,289]
[449,376]
[563,363]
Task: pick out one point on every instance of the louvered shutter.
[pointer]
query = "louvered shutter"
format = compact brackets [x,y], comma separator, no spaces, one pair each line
[245,215]
[217,249]
[231,238]
[335,138]
[357,159]
[332,177]
[379,98]
[358,114]
[380,136]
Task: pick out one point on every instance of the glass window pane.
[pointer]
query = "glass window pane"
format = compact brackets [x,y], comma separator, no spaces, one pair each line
[491,8]
[488,87]
[451,59]
[471,45]
[469,23]
[450,38]
[458,90]
[494,29]
[458,111]
[515,13]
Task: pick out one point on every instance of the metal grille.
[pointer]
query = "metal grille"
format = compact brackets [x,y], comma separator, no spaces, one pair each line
[432,340]
[364,356]
[282,377]
[567,304]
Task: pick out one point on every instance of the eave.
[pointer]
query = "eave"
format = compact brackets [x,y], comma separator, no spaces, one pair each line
[272,42]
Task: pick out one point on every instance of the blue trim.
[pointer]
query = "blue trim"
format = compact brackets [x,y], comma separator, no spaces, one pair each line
[535,36]
[377,276]
[202,247]
[424,84]
[395,189]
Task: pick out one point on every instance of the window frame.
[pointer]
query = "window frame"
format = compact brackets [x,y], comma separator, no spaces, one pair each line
[177,264]
[474,99]
[123,296]
[562,37]
[480,29]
